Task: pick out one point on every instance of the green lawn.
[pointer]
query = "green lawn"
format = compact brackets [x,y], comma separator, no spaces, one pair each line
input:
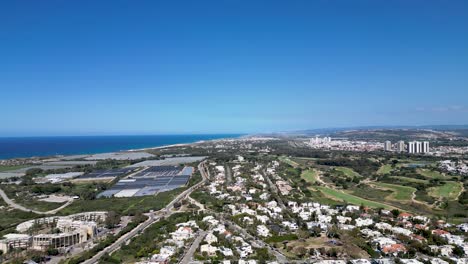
[309,175]
[449,190]
[348,172]
[402,193]
[385,169]
[431,174]
[289,161]
[351,198]
[410,179]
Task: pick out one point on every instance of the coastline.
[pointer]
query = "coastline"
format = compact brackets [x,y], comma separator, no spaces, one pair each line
[132,150]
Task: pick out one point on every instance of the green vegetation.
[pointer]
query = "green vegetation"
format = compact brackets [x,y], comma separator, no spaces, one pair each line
[123,206]
[11,218]
[368,192]
[431,174]
[276,239]
[288,161]
[348,172]
[150,241]
[38,205]
[361,165]
[108,241]
[349,198]
[402,193]
[387,168]
[407,179]
[4,168]
[309,175]
[450,190]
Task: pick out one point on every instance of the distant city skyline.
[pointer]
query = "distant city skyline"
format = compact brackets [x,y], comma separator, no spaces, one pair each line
[122,68]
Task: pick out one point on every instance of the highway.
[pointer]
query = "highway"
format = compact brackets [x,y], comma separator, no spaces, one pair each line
[152,219]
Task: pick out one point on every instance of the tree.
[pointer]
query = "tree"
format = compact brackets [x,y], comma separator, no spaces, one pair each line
[52,252]
[34,171]
[458,251]
[112,219]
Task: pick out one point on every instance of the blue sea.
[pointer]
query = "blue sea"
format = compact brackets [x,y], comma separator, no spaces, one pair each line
[22,147]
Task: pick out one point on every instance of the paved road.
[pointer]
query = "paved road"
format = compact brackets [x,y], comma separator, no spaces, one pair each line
[189,255]
[22,208]
[152,219]
[275,190]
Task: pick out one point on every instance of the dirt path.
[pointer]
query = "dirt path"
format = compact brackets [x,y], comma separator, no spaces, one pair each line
[319,179]
[195,202]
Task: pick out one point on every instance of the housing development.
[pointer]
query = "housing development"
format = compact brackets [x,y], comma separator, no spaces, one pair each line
[302,198]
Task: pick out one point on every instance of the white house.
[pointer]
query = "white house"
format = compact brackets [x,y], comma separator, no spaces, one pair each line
[263,231]
[210,238]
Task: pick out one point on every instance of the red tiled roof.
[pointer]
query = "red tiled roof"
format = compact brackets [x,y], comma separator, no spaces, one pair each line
[394,248]
[420,227]
[418,237]
[439,232]
[404,215]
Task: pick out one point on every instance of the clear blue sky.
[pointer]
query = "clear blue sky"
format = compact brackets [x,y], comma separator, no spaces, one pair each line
[148,67]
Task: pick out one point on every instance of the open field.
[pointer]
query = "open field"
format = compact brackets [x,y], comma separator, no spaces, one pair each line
[431,174]
[410,179]
[309,175]
[348,172]
[450,190]
[402,193]
[342,196]
[385,169]
[38,205]
[345,245]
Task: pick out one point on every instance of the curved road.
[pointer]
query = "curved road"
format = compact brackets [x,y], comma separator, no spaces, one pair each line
[22,208]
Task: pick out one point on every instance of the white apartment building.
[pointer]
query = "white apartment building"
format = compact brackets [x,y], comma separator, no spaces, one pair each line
[401,146]
[388,145]
[418,147]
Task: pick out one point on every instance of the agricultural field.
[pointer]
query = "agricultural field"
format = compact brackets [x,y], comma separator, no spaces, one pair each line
[450,190]
[401,193]
[309,175]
